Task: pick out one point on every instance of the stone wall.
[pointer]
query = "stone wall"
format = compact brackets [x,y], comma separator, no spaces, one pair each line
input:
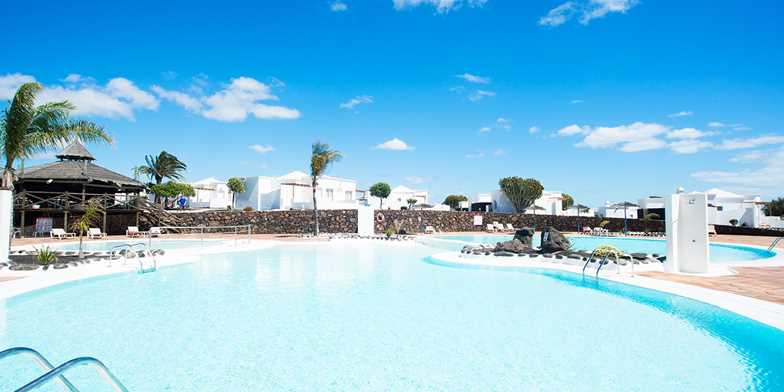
[276,222]
[739,230]
[455,221]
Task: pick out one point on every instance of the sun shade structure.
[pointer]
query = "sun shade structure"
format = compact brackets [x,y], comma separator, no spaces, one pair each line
[625,205]
[65,186]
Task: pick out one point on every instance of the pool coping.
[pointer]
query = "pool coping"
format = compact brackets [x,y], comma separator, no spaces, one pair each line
[766,312]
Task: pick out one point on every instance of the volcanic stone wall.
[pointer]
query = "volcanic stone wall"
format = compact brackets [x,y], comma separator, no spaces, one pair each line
[276,222]
[456,221]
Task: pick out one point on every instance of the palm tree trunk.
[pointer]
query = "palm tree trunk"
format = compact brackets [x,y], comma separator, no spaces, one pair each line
[81,253]
[315,207]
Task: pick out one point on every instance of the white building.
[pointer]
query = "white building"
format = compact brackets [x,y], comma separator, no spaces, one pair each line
[614,210]
[572,211]
[398,198]
[726,207]
[550,203]
[294,192]
[210,193]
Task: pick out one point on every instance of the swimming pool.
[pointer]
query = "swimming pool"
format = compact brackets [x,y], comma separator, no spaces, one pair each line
[719,253]
[156,243]
[374,316]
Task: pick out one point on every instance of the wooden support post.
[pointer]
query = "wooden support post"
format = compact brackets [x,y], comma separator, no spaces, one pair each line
[22,222]
[65,221]
[104,222]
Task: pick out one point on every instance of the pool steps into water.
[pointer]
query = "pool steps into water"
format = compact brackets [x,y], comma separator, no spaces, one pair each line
[775,242]
[51,372]
[145,254]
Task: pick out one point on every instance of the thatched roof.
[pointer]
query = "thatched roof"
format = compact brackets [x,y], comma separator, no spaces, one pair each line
[76,165]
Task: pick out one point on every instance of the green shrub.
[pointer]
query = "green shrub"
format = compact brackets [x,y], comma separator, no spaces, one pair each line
[607,250]
[45,256]
[389,232]
[604,223]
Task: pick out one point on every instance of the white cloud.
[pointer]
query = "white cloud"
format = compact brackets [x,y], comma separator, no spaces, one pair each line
[534,129]
[485,129]
[687,133]
[634,137]
[473,78]
[241,98]
[184,100]
[585,11]
[768,177]
[356,101]
[10,83]
[478,95]
[500,123]
[338,6]
[441,6]
[558,15]
[689,146]
[261,149]
[477,155]
[74,78]
[682,113]
[751,156]
[740,127]
[394,144]
[716,124]
[498,152]
[737,144]
[576,101]
[125,89]
[573,129]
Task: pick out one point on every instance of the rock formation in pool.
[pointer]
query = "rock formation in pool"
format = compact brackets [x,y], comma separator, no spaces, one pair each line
[554,241]
[521,243]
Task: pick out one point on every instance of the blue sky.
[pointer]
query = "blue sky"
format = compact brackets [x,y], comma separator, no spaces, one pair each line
[603,99]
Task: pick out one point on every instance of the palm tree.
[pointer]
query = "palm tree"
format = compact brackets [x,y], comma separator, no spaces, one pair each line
[26,129]
[156,168]
[320,159]
[92,211]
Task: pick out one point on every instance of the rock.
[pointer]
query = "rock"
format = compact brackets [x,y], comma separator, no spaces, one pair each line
[526,236]
[554,241]
[513,246]
[503,253]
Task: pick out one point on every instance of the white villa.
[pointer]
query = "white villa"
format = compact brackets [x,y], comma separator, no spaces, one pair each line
[398,198]
[550,203]
[726,207]
[611,210]
[293,191]
[210,193]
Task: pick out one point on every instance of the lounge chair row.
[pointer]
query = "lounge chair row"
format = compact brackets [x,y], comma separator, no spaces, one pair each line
[96,233]
[496,227]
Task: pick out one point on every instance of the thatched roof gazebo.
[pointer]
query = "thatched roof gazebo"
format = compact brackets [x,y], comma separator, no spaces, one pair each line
[65,186]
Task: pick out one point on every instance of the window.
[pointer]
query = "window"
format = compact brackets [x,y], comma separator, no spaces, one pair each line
[719,208]
[348,195]
[330,194]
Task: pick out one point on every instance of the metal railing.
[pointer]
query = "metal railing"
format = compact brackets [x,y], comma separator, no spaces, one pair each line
[57,372]
[775,242]
[129,249]
[202,230]
[39,359]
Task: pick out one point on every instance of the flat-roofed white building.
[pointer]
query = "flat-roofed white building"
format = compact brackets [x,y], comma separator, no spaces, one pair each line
[616,210]
[210,193]
[398,198]
[550,203]
[726,208]
[294,191]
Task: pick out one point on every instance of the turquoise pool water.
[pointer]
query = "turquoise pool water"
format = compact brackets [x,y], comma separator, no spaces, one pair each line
[377,316]
[99,245]
[718,252]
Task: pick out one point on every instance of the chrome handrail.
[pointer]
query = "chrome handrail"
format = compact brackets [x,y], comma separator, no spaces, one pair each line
[39,359]
[103,371]
[590,260]
[775,242]
[129,248]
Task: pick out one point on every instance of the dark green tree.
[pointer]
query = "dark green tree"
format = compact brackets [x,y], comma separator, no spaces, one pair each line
[775,207]
[566,201]
[522,192]
[320,159]
[453,201]
[380,190]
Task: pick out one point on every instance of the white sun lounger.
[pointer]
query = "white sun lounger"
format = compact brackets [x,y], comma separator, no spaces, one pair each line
[133,231]
[491,228]
[430,230]
[95,232]
[509,227]
[60,234]
[155,232]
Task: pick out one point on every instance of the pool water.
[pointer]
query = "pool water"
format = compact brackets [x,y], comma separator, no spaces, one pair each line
[344,316]
[97,246]
[718,252]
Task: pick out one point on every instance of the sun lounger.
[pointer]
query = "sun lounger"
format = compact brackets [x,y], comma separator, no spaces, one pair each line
[712,230]
[491,228]
[509,227]
[133,231]
[429,230]
[95,232]
[155,232]
[60,234]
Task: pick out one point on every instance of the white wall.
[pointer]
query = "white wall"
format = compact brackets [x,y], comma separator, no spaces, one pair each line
[210,195]
[398,198]
[293,191]
[608,212]
[550,201]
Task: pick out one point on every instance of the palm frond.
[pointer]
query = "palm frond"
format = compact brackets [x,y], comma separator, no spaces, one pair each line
[18,118]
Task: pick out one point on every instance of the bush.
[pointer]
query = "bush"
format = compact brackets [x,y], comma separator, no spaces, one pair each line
[389,232]
[607,250]
[734,222]
[248,209]
[522,192]
[46,256]
[604,223]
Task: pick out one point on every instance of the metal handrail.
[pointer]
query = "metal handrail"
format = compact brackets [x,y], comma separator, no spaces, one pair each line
[39,359]
[590,260]
[775,242]
[129,248]
[202,228]
[604,261]
[103,371]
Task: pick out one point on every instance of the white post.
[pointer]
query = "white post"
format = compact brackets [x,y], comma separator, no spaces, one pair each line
[365,221]
[671,205]
[6,221]
[687,233]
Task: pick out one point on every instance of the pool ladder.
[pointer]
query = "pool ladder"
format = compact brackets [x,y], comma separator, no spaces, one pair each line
[775,242]
[602,263]
[146,254]
[57,373]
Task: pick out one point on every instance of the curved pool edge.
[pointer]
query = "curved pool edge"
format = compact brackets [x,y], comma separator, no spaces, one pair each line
[765,312]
